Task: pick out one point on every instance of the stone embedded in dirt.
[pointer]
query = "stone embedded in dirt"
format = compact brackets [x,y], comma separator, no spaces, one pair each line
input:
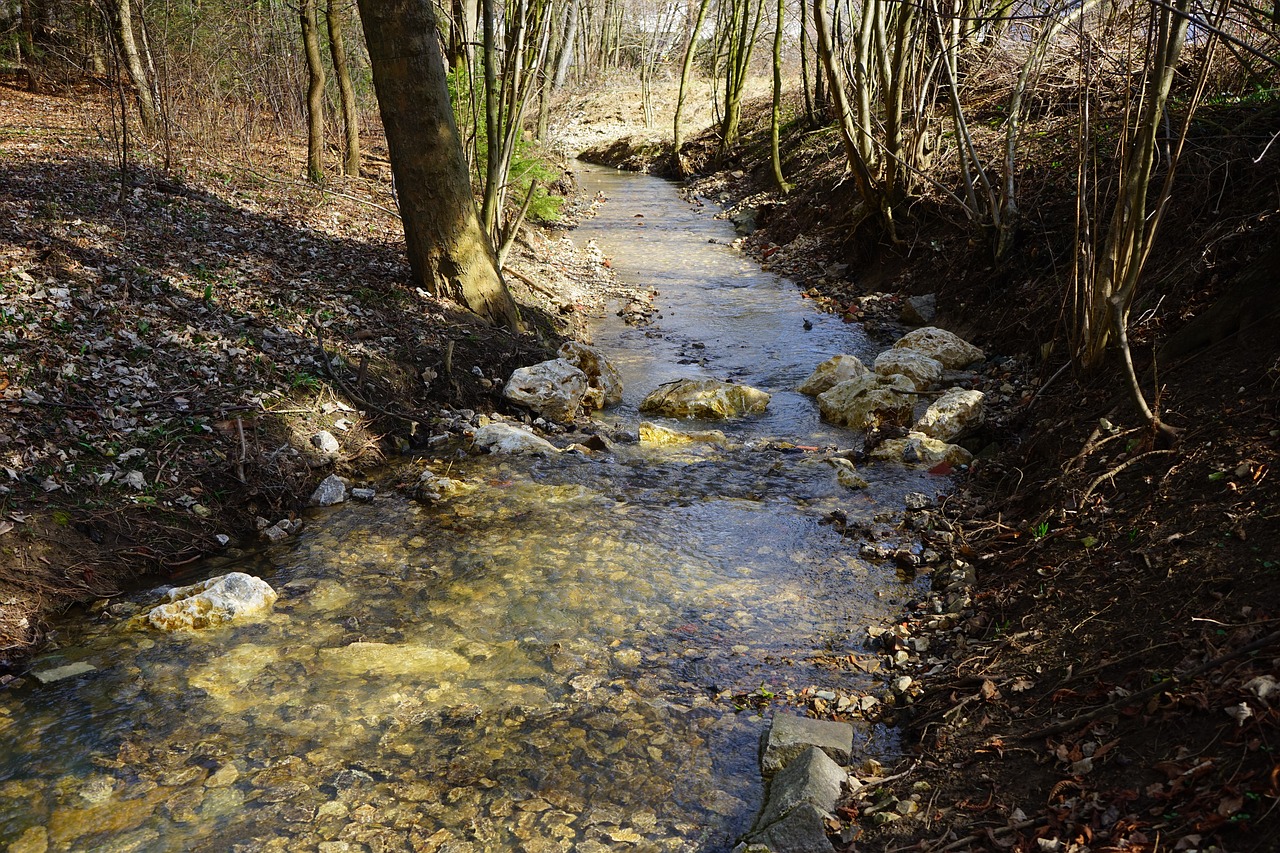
[604,383]
[916,501]
[326,443]
[868,401]
[811,778]
[330,491]
[651,433]
[846,474]
[919,310]
[923,371]
[227,598]
[708,399]
[832,372]
[554,389]
[788,736]
[919,449]
[59,673]
[504,438]
[953,351]
[803,830]
[955,412]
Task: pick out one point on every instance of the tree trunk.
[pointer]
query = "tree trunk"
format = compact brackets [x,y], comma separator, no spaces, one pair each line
[350,118]
[315,92]
[148,108]
[677,138]
[449,251]
[775,117]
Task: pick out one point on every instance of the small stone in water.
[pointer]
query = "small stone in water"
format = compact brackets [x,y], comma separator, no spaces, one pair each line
[58,673]
[330,491]
[364,495]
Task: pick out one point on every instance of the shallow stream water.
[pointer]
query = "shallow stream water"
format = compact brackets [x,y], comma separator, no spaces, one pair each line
[545,663]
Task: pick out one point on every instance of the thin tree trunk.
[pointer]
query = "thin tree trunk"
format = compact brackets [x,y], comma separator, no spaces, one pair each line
[677,138]
[449,252]
[315,91]
[775,117]
[350,117]
[148,109]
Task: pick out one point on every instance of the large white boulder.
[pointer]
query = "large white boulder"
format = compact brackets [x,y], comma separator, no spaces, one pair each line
[919,449]
[922,370]
[868,401]
[951,414]
[504,438]
[832,372]
[554,389]
[604,383]
[704,398]
[953,351]
[227,598]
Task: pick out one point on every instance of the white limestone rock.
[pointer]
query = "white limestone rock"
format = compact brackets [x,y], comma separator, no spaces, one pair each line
[922,370]
[953,351]
[832,372]
[868,401]
[953,413]
[604,383]
[504,438]
[233,597]
[554,389]
[708,399]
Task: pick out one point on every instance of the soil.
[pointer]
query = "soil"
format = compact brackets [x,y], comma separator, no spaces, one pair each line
[1110,680]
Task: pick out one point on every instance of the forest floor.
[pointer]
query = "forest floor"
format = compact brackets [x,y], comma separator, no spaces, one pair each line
[168,350]
[167,353]
[1112,684]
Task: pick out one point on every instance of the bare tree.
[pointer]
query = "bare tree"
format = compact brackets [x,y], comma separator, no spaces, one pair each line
[315,91]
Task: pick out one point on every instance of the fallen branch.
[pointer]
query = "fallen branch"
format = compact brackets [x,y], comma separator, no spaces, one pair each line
[1116,470]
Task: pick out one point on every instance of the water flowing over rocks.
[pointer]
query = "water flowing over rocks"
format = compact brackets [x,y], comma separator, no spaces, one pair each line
[919,449]
[953,351]
[707,399]
[869,401]
[604,384]
[952,414]
[554,389]
[832,372]
[656,434]
[846,474]
[218,601]
[505,438]
[922,370]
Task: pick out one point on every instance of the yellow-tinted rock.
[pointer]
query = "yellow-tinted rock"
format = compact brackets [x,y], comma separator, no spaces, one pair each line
[832,372]
[651,433]
[34,840]
[391,659]
[217,601]
[704,398]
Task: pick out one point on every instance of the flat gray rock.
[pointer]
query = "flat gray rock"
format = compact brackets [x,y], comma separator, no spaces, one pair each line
[801,831]
[811,778]
[789,735]
[58,673]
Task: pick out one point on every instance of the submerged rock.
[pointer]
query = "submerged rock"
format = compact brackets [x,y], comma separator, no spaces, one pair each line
[228,598]
[952,414]
[922,370]
[953,351]
[709,399]
[363,658]
[59,673]
[554,389]
[868,401]
[651,433]
[604,383]
[833,371]
[846,474]
[433,487]
[504,438]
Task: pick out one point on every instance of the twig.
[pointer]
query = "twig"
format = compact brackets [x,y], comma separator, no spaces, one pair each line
[533,284]
[1116,470]
[244,450]
[880,783]
[333,374]
[1002,830]
[1155,689]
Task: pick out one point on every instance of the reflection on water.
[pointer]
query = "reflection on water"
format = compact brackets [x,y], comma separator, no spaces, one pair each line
[540,664]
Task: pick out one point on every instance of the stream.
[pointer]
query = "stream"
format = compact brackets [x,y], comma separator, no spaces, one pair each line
[546,663]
